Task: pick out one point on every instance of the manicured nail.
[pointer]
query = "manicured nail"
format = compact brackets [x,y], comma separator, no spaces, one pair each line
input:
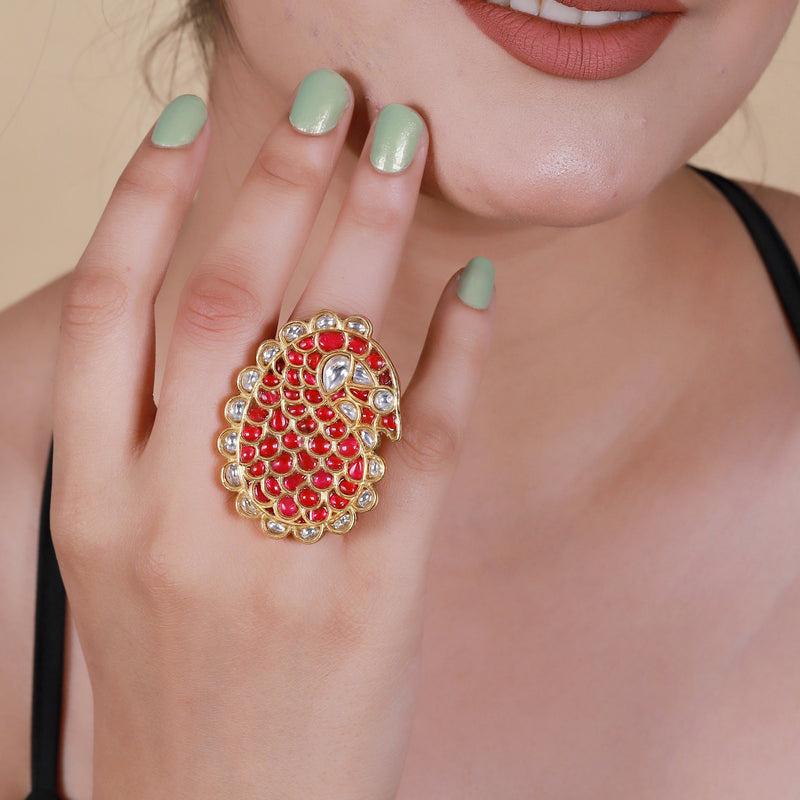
[180,122]
[476,282]
[397,132]
[320,100]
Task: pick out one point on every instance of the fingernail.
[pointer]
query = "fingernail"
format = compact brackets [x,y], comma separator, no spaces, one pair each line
[180,122]
[320,100]
[397,132]
[476,283]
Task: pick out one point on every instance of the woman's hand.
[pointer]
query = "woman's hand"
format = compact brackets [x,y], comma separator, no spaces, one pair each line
[223,663]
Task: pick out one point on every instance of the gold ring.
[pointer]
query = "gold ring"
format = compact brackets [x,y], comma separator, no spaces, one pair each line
[303,430]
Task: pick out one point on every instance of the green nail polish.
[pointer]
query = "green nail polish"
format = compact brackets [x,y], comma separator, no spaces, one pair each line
[397,132]
[476,282]
[319,102]
[180,122]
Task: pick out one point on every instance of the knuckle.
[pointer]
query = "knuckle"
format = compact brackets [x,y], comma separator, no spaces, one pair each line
[382,214]
[163,571]
[142,181]
[95,301]
[431,441]
[217,305]
[75,538]
[289,173]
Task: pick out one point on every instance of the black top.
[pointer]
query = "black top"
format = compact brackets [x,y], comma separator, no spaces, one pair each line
[50,597]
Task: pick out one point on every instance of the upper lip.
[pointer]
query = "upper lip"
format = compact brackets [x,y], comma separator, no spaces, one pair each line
[644,6]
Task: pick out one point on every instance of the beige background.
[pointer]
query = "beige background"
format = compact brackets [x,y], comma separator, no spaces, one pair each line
[73,107]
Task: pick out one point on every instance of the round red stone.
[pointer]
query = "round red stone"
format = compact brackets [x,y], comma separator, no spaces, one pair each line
[325,413]
[268,447]
[272,485]
[278,421]
[306,344]
[306,461]
[259,495]
[256,413]
[346,487]
[270,398]
[295,357]
[296,410]
[357,345]
[336,429]
[348,447]
[292,441]
[293,376]
[331,340]
[319,445]
[389,422]
[367,416]
[308,498]
[291,394]
[307,425]
[386,379]
[313,360]
[287,506]
[282,464]
[271,379]
[247,453]
[334,463]
[318,514]
[322,479]
[250,433]
[336,501]
[338,395]
[313,396]
[309,378]
[375,360]
[356,469]
[257,469]
[293,482]
[361,394]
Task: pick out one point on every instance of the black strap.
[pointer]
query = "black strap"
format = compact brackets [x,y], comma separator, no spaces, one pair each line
[778,259]
[48,658]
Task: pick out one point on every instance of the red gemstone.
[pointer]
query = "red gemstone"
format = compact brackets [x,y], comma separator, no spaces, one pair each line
[357,345]
[336,501]
[296,410]
[356,469]
[295,357]
[348,447]
[375,360]
[250,433]
[291,394]
[361,394]
[282,464]
[306,344]
[318,514]
[292,441]
[293,482]
[293,376]
[345,487]
[257,469]
[386,379]
[278,421]
[246,453]
[322,479]
[309,378]
[273,487]
[256,413]
[307,425]
[308,498]
[338,395]
[367,416]
[331,340]
[313,396]
[306,461]
[270,398]
[259,495]
[313,360]
[279,365]
[389,422]
[319,445]
[268,447]
[287,506]
[334,463]
[271,380]
[336,429]
[325,413]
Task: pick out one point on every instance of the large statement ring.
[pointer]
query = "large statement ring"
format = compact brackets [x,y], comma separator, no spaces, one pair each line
[305,426]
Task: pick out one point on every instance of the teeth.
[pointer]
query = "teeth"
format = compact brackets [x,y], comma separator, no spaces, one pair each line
[567,15]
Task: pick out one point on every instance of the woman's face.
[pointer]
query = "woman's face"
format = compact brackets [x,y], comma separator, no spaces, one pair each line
[509,141]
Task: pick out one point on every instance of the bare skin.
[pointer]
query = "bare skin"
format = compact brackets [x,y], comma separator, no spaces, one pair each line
[620,628]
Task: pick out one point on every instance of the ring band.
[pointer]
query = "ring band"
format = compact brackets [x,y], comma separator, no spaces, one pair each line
[304,428]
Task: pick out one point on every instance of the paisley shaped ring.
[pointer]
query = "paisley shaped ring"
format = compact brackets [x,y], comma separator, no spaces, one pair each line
[302,433]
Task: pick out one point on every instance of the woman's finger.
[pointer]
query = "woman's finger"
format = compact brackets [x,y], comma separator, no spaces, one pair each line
[435,413]
[105,361]
[358,268]
[234,295]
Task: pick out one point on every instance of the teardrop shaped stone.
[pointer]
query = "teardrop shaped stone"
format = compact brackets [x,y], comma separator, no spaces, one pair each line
[335,372]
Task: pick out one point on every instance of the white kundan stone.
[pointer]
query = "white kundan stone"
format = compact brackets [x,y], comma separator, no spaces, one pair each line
[325,321]
[293,331]
[308,533]
[335,372]
[235,409]
[246,506]
[368,437]
[363,376]
[383,400]
[343,522]
[233,476]
[268,354]
[349,410]
[248,379]
[275,527]
[365,498]
[230,441]
[374,468]
[357,325]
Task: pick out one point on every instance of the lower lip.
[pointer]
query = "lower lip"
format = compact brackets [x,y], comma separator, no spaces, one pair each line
[572,51]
